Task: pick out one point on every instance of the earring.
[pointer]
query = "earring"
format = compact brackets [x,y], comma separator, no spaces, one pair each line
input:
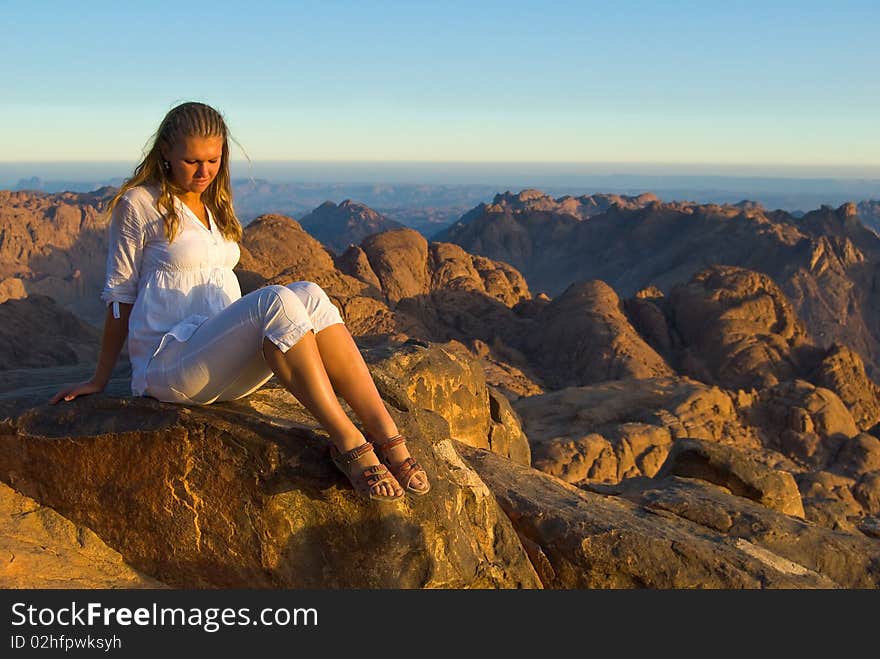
[166,165]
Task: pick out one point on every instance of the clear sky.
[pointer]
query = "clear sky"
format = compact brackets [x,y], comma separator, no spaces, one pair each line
[749,82]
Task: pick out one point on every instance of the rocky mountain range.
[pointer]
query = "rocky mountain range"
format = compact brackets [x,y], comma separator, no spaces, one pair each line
[697,431]
[825,262]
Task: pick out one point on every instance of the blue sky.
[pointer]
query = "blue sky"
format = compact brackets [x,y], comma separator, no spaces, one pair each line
[741,83]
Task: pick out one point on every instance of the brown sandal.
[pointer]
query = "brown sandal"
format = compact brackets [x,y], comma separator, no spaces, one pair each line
[405,470]
[369,478]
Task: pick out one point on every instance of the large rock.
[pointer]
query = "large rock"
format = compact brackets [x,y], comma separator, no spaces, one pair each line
[225,497]
[273,243]
[849,559]
[354,262]
[400,261]
[454,386]
[736,471]
[647,311]
[453,268]
[675,534]
[41,549]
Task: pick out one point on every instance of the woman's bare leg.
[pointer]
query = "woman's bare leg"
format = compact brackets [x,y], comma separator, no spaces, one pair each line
[302,373]
[351,379]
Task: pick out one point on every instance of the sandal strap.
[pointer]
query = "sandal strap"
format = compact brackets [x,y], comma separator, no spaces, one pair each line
[353,455]
[390,443]
[375,475]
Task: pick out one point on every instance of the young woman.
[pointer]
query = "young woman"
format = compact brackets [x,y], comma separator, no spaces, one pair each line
[192,337]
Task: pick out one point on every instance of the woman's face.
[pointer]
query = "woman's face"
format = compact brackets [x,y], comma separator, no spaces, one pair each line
[195,162]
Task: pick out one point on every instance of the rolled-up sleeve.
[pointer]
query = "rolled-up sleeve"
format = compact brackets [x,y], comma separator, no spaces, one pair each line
[124,254]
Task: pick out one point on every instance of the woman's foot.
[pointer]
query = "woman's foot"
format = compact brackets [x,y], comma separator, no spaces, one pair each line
[408,472]
[369,477]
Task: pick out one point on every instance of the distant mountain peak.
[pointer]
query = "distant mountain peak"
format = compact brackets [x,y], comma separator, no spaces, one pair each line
[349,223]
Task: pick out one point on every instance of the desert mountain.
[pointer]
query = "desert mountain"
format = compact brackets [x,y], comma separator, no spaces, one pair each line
[347,224]
[55,245]
[532,201]
[825,262]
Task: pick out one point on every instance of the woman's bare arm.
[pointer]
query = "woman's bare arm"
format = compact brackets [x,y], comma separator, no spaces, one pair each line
[115,333]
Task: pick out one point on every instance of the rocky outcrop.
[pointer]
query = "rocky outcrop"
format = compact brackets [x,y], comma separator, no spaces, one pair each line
[454,386]
[274,243]
[12,288]
[219,497]
[669,533]
[842,371]
[244,491]
[355,263]
[615,430]
[806,423]
[584,337]
[755,444]
[399,260]
[338,227]
[737,328]
[735,471]
[777,540]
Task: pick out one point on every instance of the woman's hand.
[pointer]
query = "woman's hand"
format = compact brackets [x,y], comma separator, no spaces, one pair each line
[74,390]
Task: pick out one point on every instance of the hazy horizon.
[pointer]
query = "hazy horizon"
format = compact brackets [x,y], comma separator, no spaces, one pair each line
[439,172]
[303,185]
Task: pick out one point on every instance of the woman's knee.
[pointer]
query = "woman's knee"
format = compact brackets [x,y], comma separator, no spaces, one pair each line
[280,298]
[322,312]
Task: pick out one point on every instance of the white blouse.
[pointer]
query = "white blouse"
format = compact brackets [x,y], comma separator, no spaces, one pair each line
[174,287]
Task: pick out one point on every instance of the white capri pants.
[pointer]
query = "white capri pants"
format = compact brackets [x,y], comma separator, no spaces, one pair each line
[223,359]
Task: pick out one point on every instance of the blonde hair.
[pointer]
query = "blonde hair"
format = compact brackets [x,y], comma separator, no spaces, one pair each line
[190,119]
